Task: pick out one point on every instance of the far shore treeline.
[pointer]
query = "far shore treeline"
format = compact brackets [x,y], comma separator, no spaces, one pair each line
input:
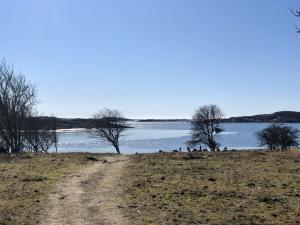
[23,129]
[278,117]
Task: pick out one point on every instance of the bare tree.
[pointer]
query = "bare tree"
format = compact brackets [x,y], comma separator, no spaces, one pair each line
[108,125]
[205,124]
[17,99]
[39,136]
[278,138]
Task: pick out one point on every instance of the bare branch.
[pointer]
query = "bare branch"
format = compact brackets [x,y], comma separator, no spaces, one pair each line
[295,12]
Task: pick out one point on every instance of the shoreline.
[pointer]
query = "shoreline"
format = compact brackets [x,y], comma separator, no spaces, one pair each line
[82,152]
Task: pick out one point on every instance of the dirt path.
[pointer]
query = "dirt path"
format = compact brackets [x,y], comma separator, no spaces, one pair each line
[89,197]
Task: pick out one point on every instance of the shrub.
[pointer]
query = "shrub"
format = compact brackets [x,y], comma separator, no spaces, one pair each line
[277,137]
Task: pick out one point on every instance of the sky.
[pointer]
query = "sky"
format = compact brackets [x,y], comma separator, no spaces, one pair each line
[155,58]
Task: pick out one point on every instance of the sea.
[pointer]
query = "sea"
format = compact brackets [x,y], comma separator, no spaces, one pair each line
[149,137]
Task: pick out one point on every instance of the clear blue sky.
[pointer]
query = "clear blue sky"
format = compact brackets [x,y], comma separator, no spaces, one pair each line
[155,58]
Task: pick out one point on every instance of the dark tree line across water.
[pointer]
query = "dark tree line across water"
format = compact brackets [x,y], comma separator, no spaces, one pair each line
[278,117]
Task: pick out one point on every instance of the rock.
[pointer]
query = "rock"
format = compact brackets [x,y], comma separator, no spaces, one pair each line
[33,179]
[270,200]
[252,185]
[90,158]
[212,179]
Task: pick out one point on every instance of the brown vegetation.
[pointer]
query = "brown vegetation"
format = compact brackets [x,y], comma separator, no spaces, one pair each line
[163,188]
[27,179]
[213,188]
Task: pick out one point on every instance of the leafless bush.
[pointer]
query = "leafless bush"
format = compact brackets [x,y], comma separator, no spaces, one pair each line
[278,138]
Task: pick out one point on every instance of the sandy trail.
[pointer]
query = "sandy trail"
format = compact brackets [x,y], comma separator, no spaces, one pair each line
[88,197]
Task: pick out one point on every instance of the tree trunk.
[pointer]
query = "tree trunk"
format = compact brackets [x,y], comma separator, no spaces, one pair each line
[56,150]
[117,148]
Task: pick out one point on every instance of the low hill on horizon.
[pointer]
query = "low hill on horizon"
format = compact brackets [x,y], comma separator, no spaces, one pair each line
[278,117]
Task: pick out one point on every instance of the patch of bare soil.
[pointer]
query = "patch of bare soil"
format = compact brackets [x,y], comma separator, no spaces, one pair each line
[90,196]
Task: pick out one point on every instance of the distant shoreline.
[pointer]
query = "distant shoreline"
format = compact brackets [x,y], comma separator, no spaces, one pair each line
[279,117]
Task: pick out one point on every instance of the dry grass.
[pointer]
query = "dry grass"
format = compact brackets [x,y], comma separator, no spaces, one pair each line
[213,188]
[195,188]
[26,180]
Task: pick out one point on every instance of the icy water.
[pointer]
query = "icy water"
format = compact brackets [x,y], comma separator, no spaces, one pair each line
[148,137]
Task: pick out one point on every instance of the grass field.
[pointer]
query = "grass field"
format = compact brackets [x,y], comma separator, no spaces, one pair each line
[167,188]
[26,180]
[213,188]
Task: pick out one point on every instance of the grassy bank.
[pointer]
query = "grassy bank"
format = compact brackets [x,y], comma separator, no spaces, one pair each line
[26,180]
[213,188]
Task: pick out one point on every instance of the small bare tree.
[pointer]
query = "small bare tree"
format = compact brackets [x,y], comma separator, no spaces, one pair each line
[278,138]
[17,100]
[205,124]
[108,125]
